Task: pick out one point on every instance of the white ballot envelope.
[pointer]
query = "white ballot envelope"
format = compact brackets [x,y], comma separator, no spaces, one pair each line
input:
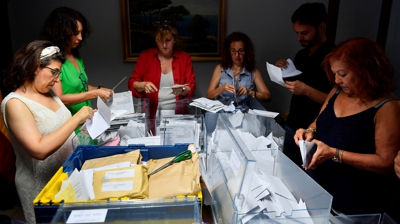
[100,121]
[305,148]
[277,74]
[175,86]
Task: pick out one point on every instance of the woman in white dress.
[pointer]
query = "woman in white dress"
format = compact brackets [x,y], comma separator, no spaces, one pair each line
[40,126]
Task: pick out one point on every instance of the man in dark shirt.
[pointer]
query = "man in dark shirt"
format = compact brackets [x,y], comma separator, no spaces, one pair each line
[311,87]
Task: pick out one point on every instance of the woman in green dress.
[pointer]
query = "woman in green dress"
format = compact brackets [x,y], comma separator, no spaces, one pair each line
[67,28]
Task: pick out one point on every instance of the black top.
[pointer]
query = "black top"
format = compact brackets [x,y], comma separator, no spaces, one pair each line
[354,191]
[304,110]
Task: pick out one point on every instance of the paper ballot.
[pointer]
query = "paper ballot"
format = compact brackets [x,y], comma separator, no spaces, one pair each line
[305,148]
[107,112]
[100,121]
[174,87]
[278,74]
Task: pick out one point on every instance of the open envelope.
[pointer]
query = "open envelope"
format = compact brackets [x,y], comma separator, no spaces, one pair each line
[100,121]
[305,150]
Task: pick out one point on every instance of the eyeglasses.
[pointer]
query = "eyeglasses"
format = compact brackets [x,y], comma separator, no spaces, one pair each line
[240,51]
[161,23]
[55,72]
[84,83]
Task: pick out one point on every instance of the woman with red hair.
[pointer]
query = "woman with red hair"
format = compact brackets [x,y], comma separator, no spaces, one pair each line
[357,131]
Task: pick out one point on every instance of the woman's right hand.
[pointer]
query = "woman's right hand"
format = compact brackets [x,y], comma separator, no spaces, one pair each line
[227,88]
[147,87]
[303,134]
[104,93]
[85,113]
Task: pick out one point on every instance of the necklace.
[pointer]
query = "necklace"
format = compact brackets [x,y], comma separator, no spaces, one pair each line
[162,64]
[164,61]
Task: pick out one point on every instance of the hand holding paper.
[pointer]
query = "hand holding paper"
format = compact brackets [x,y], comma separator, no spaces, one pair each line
[305,148]
[101,120]
[278,74]
[175,86]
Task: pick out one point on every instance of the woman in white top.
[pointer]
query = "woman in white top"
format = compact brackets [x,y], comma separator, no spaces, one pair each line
[40,126]
[161,67]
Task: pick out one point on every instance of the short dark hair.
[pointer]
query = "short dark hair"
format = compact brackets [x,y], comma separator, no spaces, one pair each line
[26,61]
[310,13]
[60,25]
[249,60]
[367,61]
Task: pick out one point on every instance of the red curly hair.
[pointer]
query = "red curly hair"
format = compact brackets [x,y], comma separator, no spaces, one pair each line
[367,61]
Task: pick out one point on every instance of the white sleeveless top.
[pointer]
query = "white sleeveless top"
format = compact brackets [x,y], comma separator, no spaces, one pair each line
[32,174]
[166,98]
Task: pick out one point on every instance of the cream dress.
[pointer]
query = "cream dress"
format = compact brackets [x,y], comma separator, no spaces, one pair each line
[32,174]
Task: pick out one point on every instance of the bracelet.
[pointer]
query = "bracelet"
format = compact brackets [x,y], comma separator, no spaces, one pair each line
[312,129]
[340,156]
[255,95]
[336,156]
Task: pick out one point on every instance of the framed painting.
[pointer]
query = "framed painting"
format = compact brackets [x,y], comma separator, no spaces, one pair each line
[200,24]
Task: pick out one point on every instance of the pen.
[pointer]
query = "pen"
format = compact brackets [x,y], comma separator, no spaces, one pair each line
[118,83]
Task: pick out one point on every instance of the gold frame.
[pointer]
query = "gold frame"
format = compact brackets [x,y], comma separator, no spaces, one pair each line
[132,57]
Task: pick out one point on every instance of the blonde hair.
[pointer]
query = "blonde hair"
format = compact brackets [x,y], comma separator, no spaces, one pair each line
[161,30]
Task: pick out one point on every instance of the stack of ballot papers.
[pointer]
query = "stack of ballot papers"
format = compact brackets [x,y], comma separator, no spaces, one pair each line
[179,129]
[135,133]
[270,194]
[124,119]
[278,74]
[207,104]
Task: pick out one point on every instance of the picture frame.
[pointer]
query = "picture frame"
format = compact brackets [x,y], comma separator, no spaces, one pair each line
[137,18]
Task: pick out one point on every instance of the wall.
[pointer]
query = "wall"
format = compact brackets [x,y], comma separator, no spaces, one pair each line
[267,22]
[359,18]
[393,44]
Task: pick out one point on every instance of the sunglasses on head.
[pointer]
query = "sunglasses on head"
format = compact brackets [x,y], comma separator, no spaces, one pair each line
[161,23]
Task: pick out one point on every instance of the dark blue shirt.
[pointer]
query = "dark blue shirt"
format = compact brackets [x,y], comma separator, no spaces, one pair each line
[304,110]
[354,191]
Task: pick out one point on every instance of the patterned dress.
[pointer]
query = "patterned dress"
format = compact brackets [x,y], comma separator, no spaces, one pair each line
[32,174]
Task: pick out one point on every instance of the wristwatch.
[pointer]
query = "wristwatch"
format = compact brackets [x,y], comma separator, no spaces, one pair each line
[336,156]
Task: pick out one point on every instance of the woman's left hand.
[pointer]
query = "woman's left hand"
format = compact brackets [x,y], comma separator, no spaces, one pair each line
[242,90]
[181,91]
[323,153]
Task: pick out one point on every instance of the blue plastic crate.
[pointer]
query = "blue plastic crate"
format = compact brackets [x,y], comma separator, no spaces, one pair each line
[45,208]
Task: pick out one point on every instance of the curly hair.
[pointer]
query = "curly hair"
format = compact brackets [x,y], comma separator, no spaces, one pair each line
[26,61]
[61,25]
[368,63]
[249,59]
